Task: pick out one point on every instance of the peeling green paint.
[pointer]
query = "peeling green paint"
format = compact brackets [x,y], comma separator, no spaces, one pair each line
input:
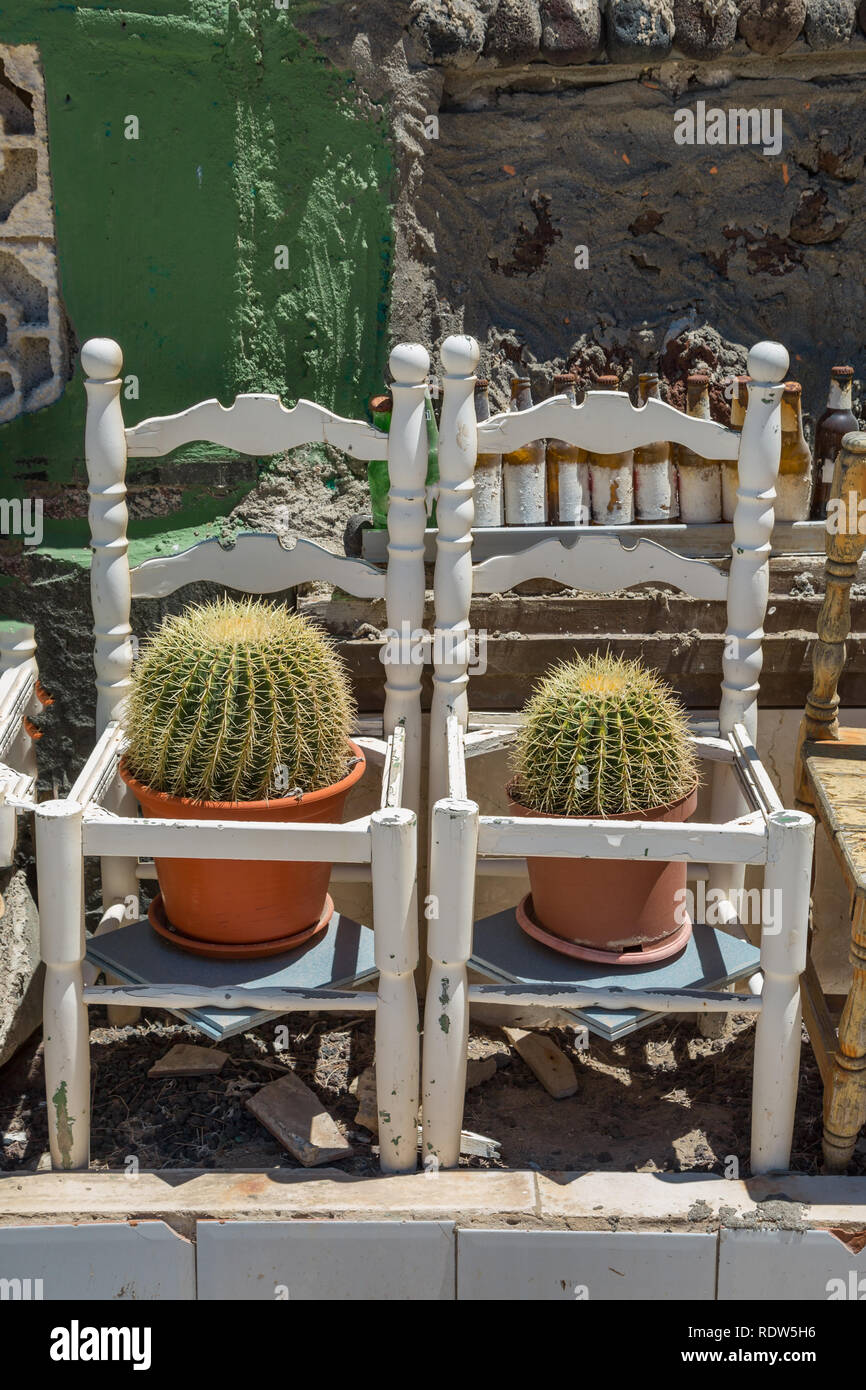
[444,997]
[249,139]
[64,1125]
[445,1023]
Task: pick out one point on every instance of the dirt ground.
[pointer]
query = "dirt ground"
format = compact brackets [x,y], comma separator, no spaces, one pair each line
[664,1100]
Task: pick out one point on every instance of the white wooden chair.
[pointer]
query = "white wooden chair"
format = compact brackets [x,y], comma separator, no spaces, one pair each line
[99,817]
[748,825]
[19,679]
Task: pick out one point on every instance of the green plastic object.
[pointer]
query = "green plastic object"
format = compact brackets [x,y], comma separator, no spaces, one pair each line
[377,469]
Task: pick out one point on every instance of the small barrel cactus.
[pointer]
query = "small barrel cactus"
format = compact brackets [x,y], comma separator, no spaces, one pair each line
[602,736]
[238,701]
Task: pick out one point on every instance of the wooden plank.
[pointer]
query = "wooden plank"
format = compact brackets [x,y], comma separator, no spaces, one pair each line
[456,759]
[741,842]
[710,541]
[99,770]
[753,773]
[600,564]
[819,1024]
[255,564]
[255,424]
[297,1119]
[691,664]
[189,1059]
[392,773]
[567,996]
[606,421]
[269,1000]
[545,1060]
[247,840]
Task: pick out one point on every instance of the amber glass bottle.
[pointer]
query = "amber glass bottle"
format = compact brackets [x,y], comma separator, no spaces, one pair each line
[794,485]
[567,470]
[700,479]
[838,419]
[523,478]
[730,475]
[611,478]
[489,509]
[654,481]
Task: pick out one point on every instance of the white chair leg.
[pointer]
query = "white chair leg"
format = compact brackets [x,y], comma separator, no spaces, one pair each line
[783,960]
[446,1013]
[395,849]
[67,1044]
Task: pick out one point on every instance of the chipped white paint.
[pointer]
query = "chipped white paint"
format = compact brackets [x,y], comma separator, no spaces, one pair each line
[407,518]
[605,418]
[256,564]
[600,564]
[452,578]
[746,825]
[18,701]
[104,822]
[255,424]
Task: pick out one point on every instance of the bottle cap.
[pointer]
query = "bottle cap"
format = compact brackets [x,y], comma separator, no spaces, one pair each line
[564,378]
[699,378]
[792,388]
[842,371]
[481,383]
[608,382]
[380,403]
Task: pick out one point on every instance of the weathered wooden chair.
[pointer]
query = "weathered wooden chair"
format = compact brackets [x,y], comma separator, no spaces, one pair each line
[830,781]
[748,825]
[100,818]
[19,702]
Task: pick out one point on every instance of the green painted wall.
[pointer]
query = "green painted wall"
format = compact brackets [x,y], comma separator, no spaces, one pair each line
[248,139]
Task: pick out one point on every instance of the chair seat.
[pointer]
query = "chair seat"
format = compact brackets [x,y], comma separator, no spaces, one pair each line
[341,957]
[836,773]
[712,959]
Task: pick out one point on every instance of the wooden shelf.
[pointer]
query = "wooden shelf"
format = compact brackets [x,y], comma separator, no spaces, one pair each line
[704,542]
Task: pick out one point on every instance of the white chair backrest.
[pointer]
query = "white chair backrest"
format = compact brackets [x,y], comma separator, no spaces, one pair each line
[257,424]
[606,422]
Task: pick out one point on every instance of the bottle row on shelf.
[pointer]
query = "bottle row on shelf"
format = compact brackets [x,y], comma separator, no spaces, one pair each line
[553,483]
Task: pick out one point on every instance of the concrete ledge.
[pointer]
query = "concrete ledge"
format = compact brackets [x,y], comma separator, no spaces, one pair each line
[555,1201]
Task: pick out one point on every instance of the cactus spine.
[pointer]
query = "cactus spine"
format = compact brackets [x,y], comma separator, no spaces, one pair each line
[602,736]
[238,701]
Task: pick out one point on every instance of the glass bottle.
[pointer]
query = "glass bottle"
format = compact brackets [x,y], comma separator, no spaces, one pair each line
[523,470]
[377,469]
[567,470]
[730,474]
[830,430]
[654,493]
[794,485]
[489,510]
[611,478]
[700,479]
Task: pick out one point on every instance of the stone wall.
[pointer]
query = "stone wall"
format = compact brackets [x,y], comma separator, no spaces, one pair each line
[547,207]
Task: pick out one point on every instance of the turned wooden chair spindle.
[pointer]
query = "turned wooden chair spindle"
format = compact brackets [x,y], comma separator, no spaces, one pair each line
[830,782]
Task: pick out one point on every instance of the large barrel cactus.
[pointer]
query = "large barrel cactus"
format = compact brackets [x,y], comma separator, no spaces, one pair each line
[602,736]
[238,701]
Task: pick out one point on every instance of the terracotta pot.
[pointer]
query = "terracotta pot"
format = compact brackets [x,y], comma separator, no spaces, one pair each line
[603,909]
[241,902]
